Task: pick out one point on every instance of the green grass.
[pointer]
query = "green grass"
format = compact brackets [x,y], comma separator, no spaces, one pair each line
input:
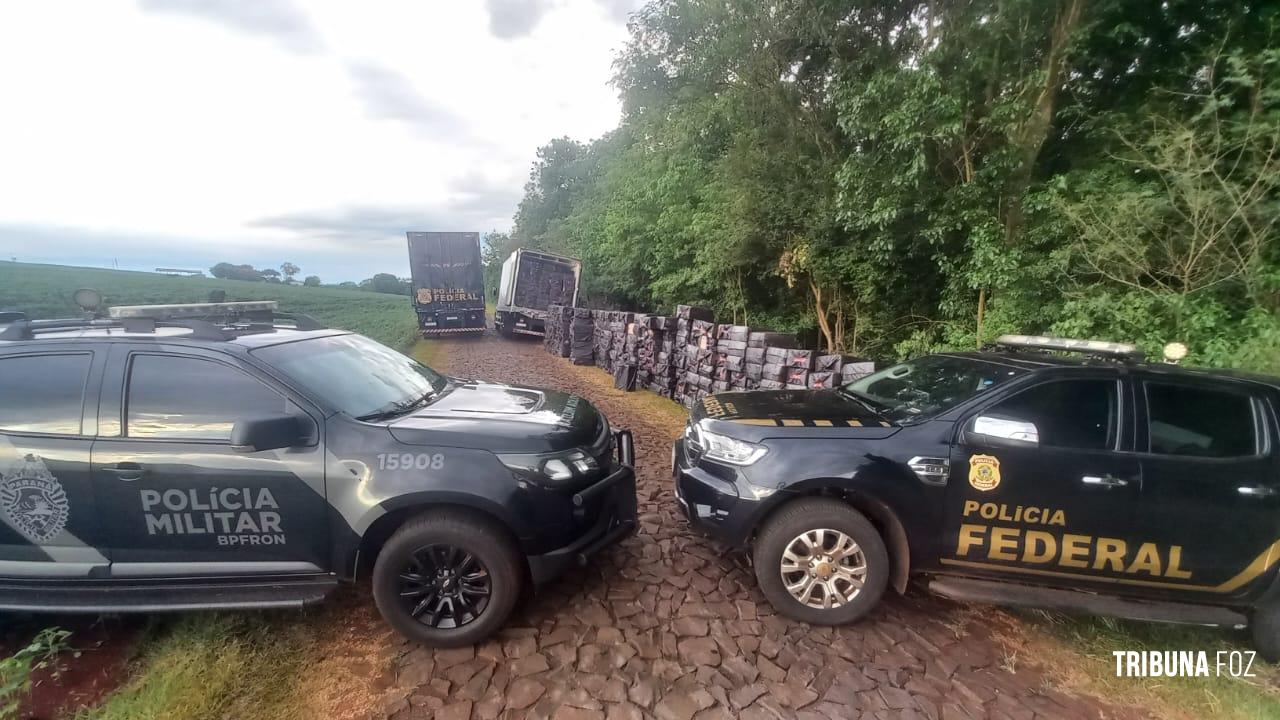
[44,291]
[213,666]
[1077,654]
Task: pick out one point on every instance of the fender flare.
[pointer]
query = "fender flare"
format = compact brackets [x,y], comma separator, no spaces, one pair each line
[373,525]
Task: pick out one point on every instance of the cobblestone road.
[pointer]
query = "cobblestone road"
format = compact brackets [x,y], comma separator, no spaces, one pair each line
[667,626]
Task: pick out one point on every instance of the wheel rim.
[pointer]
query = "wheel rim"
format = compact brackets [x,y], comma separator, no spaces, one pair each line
[823,569]
[445,587]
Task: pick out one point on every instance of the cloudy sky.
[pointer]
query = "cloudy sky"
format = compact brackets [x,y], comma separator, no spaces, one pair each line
[179,133]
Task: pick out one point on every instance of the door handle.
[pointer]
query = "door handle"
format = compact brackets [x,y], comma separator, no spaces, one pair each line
[1104,480]
[126,471]
[1256,491]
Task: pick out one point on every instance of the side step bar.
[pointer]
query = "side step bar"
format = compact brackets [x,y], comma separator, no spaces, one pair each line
[1075,601]
[165,596]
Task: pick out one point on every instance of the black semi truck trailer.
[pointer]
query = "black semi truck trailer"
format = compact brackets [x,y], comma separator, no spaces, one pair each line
[448,282]
[533,281]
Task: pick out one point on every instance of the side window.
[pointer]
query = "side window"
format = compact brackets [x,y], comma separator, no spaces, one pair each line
[182,398]
[1069,413]
[43,393]
[1189,420]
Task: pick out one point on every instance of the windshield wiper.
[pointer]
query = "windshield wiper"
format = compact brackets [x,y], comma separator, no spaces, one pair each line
[399,408]
[872,405]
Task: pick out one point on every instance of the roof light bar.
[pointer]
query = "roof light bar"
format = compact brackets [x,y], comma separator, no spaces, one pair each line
[194,310]
[1092,347]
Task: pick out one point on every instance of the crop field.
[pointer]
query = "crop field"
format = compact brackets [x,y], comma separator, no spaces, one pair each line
[44,291]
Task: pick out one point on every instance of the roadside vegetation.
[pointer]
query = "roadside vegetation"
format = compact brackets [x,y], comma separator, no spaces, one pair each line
[17,670]
[898,177]
[1077,655]
[214,666]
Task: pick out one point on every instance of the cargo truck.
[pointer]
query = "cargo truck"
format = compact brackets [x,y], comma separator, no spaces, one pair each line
[448,282]
[532,281]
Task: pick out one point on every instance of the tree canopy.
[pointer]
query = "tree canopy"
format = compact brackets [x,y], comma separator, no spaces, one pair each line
[905,176]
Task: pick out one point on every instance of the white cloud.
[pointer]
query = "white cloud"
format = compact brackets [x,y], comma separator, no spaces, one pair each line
[210,128]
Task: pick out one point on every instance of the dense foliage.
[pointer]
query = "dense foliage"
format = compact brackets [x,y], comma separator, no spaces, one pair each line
[903,176]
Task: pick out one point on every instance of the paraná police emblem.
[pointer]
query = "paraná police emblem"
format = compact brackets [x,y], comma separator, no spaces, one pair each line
[33,501]
[984,472]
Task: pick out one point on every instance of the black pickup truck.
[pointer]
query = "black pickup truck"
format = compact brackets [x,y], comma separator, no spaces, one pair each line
[225,456]
[1041,472]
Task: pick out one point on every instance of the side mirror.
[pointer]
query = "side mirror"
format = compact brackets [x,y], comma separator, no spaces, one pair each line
[991,427]
[266,433]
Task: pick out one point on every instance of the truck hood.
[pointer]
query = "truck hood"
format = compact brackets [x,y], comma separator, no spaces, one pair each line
[791,413]
[501,418]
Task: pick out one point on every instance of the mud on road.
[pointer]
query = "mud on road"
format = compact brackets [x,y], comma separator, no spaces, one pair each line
[668,625]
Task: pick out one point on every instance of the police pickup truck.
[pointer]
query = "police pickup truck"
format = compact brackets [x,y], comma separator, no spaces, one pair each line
[1040,472]
[225,456]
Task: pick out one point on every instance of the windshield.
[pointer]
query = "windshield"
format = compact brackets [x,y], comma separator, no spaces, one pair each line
[358,376]
[928,385]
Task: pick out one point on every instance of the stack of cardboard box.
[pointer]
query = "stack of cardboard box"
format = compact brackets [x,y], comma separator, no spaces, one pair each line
[557,339]
[688,356]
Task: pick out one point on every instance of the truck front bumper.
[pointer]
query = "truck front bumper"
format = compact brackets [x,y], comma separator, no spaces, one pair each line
[613,500]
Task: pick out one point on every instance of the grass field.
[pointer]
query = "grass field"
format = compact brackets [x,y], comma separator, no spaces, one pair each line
[44,291]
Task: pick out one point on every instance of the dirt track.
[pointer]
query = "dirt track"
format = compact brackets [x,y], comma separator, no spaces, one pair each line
[667,626]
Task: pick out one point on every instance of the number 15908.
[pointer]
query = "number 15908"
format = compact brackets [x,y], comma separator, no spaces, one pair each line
[410,461]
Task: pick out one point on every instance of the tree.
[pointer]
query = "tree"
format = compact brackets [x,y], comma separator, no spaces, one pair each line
[387,283]
[228,271]
[289,270]
[311,281]
[497,247]
[1184,223]
[901,177]
[270,275]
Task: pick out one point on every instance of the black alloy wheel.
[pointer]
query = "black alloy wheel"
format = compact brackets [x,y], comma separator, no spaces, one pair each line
[448,578]
[445,587]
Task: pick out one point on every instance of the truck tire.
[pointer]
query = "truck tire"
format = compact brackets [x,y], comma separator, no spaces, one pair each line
[1265,628]
[447,580]
[820,561]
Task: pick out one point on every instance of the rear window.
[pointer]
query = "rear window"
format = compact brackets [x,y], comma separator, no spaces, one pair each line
[43,393]
[1194,421]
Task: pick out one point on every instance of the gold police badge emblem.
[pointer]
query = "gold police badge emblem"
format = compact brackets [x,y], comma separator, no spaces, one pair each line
[424,296]
[984,472]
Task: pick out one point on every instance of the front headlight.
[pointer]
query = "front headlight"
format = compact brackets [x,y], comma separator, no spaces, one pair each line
[553,469]
[722,448]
